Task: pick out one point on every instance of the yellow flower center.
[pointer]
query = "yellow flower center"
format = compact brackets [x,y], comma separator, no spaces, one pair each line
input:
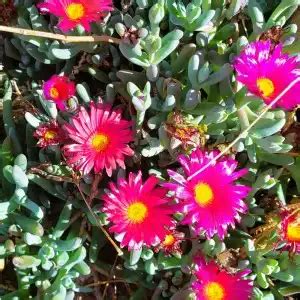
[293,232]
[203,194]
[54,93]
[265,86]
[75,11]
[100,142]
[49,135]
[169,240]
[214,291]
[137,212]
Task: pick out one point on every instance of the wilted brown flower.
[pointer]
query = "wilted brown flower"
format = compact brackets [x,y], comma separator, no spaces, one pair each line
[189,134]
[171,243]
[7,11]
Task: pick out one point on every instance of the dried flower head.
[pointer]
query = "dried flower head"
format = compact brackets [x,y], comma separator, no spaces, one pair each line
[171,242]
[188,134]
[7,11]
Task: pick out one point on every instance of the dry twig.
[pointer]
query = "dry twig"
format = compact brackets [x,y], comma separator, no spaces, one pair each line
[61,37]
[117,248]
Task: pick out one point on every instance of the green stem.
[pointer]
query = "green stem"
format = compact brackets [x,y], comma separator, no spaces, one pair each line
[243,117]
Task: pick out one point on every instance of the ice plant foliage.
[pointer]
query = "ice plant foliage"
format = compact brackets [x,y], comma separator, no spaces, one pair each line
[59,89]
[212,283]
[266,72]
[168,64]
[140,213]
[48,134]
[290,230]
[76,12]
[100,139]
[211,201]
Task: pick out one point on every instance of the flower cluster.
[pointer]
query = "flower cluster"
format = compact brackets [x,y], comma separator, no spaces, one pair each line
[203,193]
[97,139]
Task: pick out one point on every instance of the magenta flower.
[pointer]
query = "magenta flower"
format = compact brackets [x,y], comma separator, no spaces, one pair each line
[266,73]
[49,134]
[100,138]
[290,230]
[213,283]
[139,212]
[59,89]
[76,12]
[211,201]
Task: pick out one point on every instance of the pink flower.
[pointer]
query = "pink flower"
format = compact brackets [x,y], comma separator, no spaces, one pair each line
[100,138]
[76,12]
[139,212]
[48,134]
[59,89]
[211,201]
[215,284]
[267,72]
[290,230]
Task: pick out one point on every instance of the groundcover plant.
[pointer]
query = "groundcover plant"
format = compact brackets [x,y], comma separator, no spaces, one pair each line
[150,149]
